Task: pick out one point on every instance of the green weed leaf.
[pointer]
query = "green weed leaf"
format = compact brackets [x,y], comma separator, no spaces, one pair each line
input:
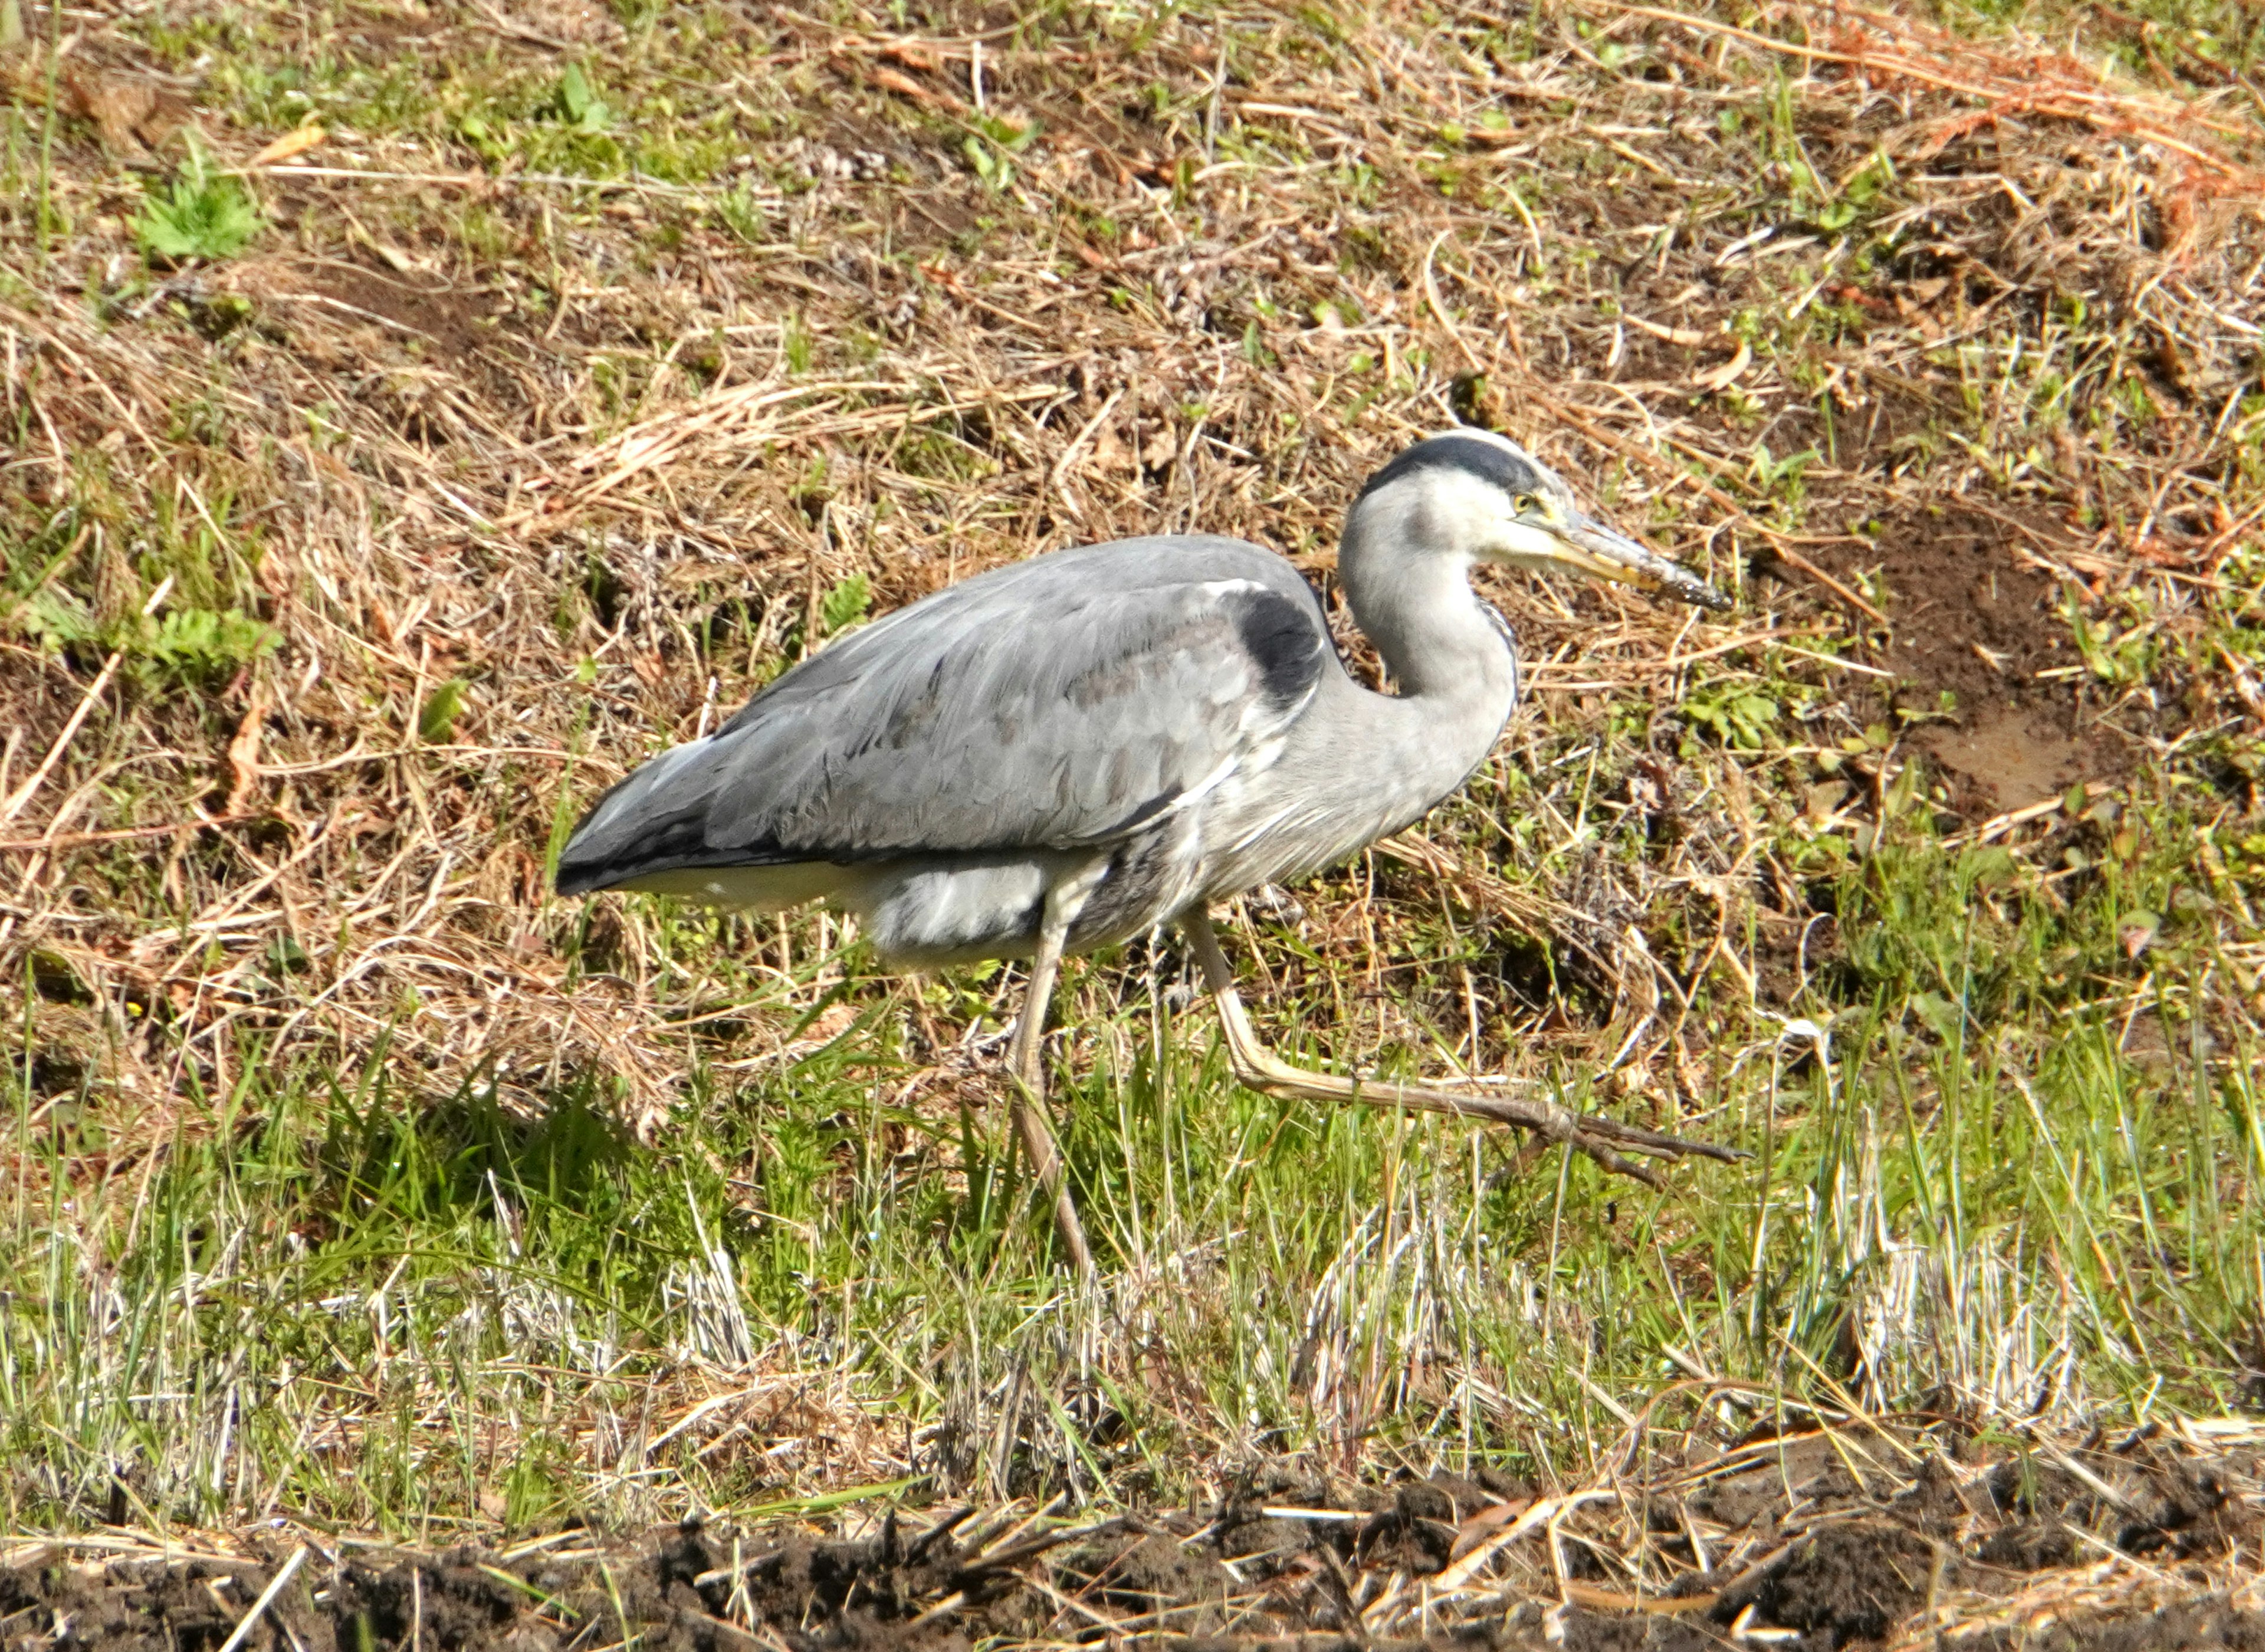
[578,104]
[437,722]
[202,646]
[201,217]
[1740,720]
[56,617]
[846,604]
[992,166]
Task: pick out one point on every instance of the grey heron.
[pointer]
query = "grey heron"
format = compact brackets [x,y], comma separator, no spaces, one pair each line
[1060,755]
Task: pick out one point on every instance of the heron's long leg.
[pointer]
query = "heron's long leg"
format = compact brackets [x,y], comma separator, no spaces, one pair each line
[1030,1074]
[1262,1070]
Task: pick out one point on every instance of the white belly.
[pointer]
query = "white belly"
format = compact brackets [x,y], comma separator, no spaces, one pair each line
[924,911]
[940,911]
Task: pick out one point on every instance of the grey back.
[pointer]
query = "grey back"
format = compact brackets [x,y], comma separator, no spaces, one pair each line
[1066,701]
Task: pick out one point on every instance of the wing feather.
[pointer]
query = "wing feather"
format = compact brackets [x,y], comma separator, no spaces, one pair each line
[1061,702]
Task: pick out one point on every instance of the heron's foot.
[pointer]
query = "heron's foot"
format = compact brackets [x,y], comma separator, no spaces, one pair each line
[1606,1140]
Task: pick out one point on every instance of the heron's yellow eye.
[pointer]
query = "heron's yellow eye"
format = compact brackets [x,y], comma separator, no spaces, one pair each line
[1524,503]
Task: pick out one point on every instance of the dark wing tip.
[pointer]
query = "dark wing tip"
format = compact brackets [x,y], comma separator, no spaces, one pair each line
[583,868]
[581,880]
[630,831]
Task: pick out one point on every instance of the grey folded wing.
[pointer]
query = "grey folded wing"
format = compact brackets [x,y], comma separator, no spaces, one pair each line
[1067,701]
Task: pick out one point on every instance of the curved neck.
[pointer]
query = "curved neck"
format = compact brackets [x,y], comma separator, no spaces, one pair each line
[1443,648]
[1365,765]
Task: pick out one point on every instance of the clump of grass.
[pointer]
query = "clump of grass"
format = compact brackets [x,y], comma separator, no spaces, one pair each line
[202,216]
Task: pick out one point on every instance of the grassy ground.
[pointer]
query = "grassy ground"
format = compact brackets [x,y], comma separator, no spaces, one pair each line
[367,510]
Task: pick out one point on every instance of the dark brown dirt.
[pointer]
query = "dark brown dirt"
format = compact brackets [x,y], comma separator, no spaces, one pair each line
[451,352]
[1852,1582]
[1803,1542]
[1975,624]
[444,320]
[2199,1626]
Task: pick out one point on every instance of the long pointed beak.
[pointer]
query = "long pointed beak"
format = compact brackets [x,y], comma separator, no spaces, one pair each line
[1587,545]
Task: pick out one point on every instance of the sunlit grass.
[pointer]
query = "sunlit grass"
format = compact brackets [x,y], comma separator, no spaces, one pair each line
[333,1293]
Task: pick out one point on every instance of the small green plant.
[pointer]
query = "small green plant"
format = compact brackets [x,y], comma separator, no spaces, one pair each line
[1857,193]
[1738,717]
[991,148]
[991,166]
[1780,478]
[203,646]
[436,723]
[845,605]
[493,145]
[743,214]
[52,615]
[1362,184]
[578,106]
[204,216]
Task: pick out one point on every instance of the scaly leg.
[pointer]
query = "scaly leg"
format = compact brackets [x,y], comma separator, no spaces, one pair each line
[1259,1068]
[1029,1076]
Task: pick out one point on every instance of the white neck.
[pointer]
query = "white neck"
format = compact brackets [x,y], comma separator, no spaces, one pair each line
[1408,585]
[1449,656]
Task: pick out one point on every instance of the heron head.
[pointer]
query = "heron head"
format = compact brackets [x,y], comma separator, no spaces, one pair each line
[1485,496]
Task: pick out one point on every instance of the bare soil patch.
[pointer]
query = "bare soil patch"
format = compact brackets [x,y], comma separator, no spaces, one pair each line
[446,319]
[1978,636]
[1832,1539]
